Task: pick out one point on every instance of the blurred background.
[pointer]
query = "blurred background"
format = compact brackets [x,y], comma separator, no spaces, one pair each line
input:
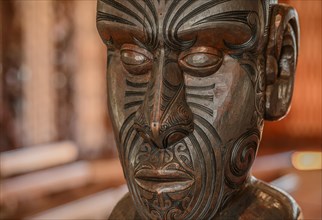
[58,158]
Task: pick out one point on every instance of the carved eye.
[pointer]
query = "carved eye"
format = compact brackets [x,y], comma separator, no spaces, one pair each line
[132,58]
[136,60]
[201,61]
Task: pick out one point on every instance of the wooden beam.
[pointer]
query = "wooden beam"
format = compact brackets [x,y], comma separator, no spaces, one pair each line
[98,206]
[34,158]
[41,183]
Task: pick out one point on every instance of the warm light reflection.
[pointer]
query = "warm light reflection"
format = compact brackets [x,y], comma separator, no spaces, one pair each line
[307,160]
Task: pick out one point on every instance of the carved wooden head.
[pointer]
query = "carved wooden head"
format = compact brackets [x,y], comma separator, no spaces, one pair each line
[187,95]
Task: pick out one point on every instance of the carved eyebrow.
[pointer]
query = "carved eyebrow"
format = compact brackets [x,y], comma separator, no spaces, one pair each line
[173,39]
[143,12]
[166,34]
[234,16]
[102,16]
[250,18]
[149,23]
[122,8]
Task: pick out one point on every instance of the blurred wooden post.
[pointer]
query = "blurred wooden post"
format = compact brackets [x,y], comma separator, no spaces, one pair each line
[1,64]
[89,83]
[38,114]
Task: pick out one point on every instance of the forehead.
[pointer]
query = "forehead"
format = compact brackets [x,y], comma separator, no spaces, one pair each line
[178,22]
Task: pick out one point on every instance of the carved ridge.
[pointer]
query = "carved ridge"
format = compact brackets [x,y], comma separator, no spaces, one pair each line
[134,93]
[241,158]
[102,16]
[132,104]
[186,44]
[136,84]
[202,108]
[212,86]
[203,97]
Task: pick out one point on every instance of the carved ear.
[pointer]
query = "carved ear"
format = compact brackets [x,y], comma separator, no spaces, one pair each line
[281,60]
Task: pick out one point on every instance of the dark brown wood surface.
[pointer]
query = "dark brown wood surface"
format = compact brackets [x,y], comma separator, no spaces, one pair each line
[190,84]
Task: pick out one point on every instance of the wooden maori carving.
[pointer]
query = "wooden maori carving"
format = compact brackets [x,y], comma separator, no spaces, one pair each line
[190,84]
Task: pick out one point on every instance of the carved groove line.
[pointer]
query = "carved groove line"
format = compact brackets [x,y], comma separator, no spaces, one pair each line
[201,196]
[128,124]
[136,84]
[254,67]
[208,144]
[167,34]
[210,151]
[122,132]
[235,16]
[202,108]
[176,90]
[169,86]
[253,22]
[132,104]
[134,93]
[174,40]
[207,125]
[181,119]
[155,33]
[118,6]
[150,26]
[201,88]
[203,97]
[102,16]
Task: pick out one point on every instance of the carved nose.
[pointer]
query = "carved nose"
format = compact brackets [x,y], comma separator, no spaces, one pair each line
[164,118]
[174,124]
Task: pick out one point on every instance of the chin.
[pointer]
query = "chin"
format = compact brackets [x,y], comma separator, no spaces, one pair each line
[178,182]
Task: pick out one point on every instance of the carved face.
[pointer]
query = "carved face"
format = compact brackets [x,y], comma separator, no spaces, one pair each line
[185,86]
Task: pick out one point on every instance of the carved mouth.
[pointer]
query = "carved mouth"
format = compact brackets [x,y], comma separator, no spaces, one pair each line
[163,181]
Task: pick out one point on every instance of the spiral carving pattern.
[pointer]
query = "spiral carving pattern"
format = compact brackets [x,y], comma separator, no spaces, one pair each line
[242,156]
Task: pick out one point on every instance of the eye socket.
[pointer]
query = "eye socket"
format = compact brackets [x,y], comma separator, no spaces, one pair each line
[201,61]
[136,60]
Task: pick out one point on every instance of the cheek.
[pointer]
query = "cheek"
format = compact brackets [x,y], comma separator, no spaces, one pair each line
[234,100]
[125,91]
[115,86]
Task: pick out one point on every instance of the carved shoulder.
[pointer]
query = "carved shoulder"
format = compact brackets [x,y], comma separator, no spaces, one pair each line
[277,199]
[124,209]
[259,200]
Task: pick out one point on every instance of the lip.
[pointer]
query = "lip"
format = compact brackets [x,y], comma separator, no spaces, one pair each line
[163,181]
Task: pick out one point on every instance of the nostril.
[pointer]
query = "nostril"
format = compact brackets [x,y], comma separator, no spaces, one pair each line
[174,138]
